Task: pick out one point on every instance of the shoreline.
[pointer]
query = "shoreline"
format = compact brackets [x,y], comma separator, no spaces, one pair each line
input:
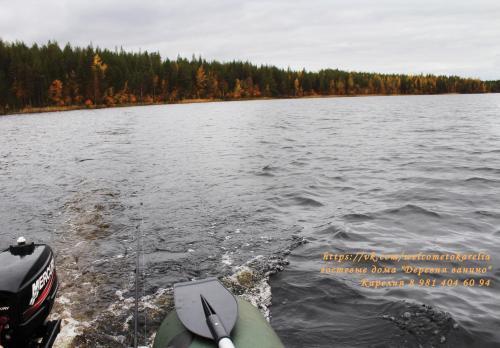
[51,109]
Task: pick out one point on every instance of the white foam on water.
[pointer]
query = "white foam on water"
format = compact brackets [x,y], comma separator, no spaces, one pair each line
[119,294]
[70,328]
[257,291]
[226,259]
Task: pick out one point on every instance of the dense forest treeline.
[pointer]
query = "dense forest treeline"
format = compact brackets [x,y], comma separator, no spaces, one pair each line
[48,75]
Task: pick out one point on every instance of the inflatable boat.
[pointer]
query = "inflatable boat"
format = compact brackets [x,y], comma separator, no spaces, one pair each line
[251,330]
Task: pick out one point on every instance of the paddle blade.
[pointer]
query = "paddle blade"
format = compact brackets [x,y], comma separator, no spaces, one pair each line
[190,310]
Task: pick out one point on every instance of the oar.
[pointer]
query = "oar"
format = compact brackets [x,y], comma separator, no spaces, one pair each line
[207,309]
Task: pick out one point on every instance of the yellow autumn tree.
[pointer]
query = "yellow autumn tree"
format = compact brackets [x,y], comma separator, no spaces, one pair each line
[297,87]
[237,89]
[350,85]
[55,92]
[212,86]
[340,87]
[98,72]
[201,82]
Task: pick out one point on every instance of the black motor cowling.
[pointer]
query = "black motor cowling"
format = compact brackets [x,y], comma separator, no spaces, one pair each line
[28,287]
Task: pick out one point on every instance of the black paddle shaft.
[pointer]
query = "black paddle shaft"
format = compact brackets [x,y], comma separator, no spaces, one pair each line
[213,321]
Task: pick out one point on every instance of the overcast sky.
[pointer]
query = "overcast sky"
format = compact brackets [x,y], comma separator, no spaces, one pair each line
[408,36]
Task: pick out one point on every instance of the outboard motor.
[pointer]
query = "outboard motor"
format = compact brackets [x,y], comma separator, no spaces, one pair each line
[28,287]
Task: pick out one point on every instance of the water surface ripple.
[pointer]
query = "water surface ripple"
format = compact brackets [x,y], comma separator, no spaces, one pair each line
[207,188]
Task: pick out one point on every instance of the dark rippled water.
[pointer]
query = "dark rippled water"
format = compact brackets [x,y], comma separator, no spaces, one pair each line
[204,189]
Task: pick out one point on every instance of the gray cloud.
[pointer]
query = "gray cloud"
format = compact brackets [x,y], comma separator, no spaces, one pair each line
[442,37]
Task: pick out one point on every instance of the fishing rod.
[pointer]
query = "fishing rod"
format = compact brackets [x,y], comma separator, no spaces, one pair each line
[136,307]
[137,270]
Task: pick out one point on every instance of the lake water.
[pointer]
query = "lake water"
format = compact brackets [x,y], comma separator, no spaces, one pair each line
[204,189]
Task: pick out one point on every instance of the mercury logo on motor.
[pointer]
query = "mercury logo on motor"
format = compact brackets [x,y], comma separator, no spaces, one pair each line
[40,283]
